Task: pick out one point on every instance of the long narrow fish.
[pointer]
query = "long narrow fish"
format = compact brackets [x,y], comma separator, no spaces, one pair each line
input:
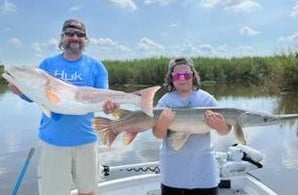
[187,121]
[55,95]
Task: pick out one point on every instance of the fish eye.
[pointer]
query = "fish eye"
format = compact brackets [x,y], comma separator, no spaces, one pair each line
[265,119]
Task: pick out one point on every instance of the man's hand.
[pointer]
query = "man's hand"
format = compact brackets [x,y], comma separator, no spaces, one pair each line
[109,106]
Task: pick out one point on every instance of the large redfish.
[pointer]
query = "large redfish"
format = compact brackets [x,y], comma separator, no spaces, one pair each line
[56,95]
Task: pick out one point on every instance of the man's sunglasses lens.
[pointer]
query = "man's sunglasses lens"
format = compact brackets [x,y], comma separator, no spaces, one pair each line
[71,34]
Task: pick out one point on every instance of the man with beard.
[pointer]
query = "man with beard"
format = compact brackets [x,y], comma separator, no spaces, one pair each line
[67,148]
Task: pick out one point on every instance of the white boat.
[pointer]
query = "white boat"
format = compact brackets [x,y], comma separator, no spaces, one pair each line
[144,178]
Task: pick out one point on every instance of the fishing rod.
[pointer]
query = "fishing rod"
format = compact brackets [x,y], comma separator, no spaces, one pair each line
[21,176]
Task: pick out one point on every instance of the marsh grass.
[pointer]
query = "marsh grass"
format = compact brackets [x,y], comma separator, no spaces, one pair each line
[273,73]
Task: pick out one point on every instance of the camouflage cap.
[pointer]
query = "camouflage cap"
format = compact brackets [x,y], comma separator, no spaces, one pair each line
[180,60]
[74,25]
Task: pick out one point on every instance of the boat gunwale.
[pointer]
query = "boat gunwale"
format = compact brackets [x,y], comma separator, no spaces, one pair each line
[244,182]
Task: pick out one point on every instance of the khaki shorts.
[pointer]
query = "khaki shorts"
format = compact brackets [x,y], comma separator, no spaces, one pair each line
[61,167]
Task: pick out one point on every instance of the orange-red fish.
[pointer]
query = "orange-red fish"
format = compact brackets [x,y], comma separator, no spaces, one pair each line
[55,95]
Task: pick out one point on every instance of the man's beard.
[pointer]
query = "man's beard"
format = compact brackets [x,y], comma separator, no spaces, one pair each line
[74,47]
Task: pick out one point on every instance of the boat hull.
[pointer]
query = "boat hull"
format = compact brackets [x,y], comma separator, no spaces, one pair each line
[149,184]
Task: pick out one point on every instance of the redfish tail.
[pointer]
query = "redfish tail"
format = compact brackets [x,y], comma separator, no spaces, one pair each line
[105,130]
[147,96]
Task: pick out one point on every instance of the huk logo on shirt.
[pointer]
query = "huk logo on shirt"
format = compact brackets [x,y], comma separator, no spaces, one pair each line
[76,76]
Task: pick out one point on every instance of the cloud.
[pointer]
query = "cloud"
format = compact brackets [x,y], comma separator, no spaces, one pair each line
[124,48]
[7,7]
[51,45]
[37,47]
[159,2]
[290,38]
[206,49]
[232,5]
[107,43]
[245,30]
[294,12]
[16,42]
[187,49]
[146,44]
[75,8]
[125,4]
[175,25]
[210,3]
[104,42]
[222,48]
[242,6]
[244,50]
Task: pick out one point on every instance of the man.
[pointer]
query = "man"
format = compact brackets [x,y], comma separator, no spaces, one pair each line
[68,152]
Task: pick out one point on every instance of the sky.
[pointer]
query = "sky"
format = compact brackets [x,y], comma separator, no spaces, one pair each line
[131,29]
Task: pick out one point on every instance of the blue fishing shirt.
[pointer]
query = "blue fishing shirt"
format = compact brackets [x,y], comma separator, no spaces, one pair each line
[194,165]
[72,130]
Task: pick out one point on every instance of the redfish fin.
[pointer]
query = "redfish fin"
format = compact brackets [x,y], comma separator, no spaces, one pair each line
[128,138]
[52,96]
[117,114]
[178,139]
[45,110]
[239,134]
[147,96]
[104,128]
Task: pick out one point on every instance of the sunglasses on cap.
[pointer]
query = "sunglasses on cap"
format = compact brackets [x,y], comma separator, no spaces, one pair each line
[73,33]
[181,76]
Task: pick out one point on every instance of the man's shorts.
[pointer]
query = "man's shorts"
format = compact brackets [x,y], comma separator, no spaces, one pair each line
[61,167]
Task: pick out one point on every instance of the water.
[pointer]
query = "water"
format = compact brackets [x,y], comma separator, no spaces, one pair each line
[278,144]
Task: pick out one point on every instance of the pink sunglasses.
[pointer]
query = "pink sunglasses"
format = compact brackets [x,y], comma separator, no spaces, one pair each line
[182,76]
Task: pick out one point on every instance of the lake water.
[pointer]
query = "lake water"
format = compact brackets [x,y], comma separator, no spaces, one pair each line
[278,143]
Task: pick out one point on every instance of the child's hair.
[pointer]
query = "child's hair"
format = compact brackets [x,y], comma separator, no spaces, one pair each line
[168,81]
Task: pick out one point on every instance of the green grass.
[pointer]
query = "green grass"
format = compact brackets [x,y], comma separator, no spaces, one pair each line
[272,73]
